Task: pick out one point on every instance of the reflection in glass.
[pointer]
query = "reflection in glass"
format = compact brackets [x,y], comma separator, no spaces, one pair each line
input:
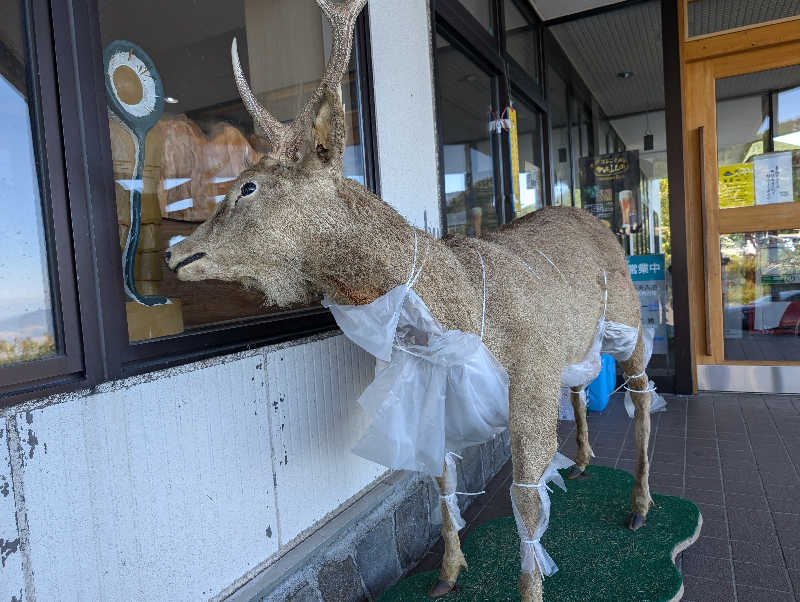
[482,11]
[26,317]
[761,295]
[562,184]
[758,138]
[522,40]
[205,137]
[528,191]
[466,92]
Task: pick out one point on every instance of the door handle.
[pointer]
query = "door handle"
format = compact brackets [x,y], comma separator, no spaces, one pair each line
[706,246]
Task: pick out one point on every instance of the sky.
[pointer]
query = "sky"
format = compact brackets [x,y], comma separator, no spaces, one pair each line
[23,280]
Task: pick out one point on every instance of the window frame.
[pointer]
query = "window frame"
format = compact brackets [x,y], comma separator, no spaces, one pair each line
[67,364]
[66,43]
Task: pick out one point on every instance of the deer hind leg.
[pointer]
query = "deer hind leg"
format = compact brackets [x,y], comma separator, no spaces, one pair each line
[584,454]
[533,443]
[634,367]
[453,560]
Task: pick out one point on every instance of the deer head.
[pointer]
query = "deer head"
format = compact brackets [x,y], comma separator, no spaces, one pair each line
[276,212]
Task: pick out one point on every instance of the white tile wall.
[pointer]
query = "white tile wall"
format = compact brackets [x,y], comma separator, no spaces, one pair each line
[315,421]
[12,584]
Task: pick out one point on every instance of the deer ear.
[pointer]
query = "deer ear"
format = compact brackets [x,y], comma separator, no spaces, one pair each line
[328,131]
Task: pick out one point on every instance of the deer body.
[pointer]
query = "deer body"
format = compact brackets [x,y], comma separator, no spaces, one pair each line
[294,228]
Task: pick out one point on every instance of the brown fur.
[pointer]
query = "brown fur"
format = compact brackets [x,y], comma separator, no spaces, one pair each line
[308,231]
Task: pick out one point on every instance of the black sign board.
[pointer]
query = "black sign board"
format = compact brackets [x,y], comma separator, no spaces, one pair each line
[610,190]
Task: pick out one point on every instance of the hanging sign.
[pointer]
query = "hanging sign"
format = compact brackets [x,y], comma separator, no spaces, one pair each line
[513,141]
[773,178]
[610,190]
[649,278]
[736,185]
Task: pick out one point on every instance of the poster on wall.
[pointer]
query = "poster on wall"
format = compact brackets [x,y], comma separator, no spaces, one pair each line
[773,178]
[736,185]
[610,190]
[649,278]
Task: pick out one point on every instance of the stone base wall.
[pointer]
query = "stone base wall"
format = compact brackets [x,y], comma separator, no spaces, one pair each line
[372,544]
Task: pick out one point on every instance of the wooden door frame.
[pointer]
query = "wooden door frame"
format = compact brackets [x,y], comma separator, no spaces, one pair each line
[703,61]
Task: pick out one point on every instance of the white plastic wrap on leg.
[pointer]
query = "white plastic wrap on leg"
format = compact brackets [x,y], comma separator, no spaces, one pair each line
[448,494]
[532,553]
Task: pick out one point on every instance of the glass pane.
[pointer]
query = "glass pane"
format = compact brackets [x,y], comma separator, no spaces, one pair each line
[712,16]
[528,186]
[522,40]
[758,138]
[761,295]
[482,11]
[205,137]
[466,93]
[582,144]
[557,95]
[26,316]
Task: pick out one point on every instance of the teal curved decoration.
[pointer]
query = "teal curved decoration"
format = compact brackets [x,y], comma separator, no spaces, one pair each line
[137,120]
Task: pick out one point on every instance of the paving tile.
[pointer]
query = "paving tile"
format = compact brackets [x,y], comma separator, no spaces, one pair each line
[792,558]
[743,500]
[788,528]
[708,567]
[711,512]
[697,589]
[784,506]
[665,468]
[709,483]
[795,578]
[746,487]
[751,525]
[761,575]
[746,551]
[661,480]
[705,497]
[711,546]
[714,528]
[745,593]
[781,492]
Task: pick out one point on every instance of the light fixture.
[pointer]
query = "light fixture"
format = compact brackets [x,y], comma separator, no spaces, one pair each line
[625,74]
[648,135]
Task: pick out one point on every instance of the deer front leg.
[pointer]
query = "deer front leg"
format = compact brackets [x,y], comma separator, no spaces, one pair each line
[584,454]
[638,386]
[453,560]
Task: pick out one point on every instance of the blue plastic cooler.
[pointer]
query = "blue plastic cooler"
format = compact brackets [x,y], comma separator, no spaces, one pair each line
[600,389]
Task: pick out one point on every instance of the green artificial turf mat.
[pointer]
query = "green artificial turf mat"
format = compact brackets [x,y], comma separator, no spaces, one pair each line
[597,556]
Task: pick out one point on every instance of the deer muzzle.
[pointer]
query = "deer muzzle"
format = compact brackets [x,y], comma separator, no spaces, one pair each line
[183,262]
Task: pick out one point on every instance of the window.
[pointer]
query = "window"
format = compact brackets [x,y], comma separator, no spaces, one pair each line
[39,333]
[201,137]
[65,321]
[560,144]
[522,40]
[528,190]
[482,11]
[468,157]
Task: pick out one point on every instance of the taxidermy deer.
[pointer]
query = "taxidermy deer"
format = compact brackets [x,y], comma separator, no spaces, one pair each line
[293,228]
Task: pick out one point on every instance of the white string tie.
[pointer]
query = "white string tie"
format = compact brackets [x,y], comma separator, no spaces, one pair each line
[529,268]
[552,264]
[483,304]
[532,553]
[450,499]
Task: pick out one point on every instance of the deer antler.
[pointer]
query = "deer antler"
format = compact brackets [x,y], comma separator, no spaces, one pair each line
[287,140]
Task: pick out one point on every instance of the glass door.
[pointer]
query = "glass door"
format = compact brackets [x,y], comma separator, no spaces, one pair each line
[742,131]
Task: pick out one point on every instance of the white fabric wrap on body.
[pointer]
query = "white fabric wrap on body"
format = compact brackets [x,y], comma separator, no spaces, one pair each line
[442,389]
[532,553]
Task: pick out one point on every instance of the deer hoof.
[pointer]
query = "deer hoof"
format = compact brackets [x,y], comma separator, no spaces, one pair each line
[636,522]
[577,473]
[442,588]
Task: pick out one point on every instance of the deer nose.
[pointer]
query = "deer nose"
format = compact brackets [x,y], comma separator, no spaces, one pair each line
[188,260]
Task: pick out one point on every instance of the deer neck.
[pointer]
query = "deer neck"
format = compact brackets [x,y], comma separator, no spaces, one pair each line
[373,251]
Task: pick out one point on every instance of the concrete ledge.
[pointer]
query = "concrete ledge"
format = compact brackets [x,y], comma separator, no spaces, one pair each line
[374,542]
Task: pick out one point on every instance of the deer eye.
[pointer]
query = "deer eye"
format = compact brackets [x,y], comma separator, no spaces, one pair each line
[248,188]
